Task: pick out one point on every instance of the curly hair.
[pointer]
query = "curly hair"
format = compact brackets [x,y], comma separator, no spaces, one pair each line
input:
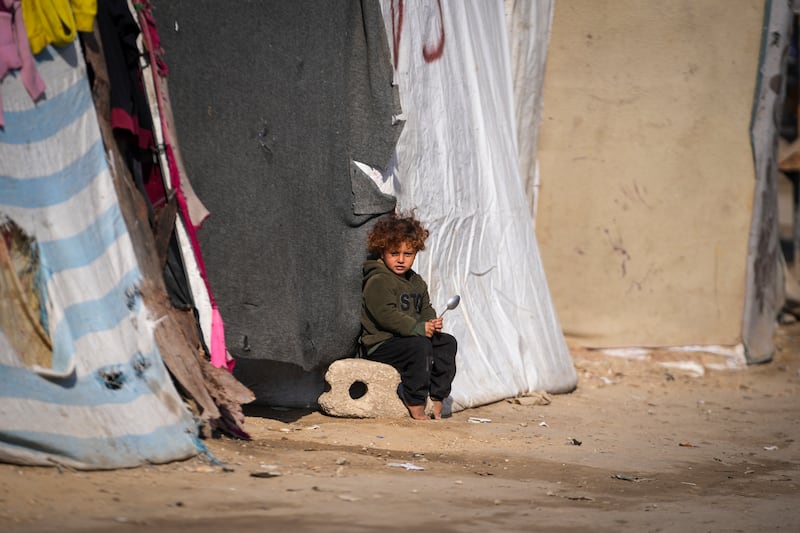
[393,230]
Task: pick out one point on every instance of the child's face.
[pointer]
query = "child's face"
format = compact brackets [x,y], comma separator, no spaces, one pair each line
[399,259]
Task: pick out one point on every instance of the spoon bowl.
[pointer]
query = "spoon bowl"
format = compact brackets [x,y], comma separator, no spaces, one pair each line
[452,303]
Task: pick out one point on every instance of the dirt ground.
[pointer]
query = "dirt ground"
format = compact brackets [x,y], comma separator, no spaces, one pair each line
[638,446]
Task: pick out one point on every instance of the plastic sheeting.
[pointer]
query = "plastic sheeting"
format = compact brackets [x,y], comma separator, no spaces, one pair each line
[107,401]
[457,165]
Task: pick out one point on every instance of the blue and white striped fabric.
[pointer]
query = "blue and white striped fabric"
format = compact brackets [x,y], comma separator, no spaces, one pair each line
[107,401]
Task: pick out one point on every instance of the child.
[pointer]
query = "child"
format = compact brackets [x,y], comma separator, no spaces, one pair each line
[398,325]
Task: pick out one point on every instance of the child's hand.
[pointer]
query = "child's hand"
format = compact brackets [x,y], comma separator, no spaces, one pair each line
[433,326]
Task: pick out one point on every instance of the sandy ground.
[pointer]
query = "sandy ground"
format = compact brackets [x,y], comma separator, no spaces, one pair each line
[638,447]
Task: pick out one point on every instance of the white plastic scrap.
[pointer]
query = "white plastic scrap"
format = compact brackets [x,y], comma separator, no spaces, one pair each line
[477,420]
[407,466]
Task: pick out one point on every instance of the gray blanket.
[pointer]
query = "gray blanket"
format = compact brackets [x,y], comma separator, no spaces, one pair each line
[272,102]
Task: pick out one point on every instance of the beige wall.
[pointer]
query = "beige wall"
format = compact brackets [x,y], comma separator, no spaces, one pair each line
[647,170]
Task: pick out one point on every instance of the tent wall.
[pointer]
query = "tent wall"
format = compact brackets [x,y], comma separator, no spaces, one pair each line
[458,166]
[648,178]
[274,150]
[106,399]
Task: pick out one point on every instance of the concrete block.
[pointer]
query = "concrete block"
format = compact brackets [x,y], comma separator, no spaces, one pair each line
[360,388]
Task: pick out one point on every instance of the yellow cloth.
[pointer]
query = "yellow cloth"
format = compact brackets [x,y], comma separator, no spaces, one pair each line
[56,21]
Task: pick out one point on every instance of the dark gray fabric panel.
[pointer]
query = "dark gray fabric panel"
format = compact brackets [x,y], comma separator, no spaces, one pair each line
[272,101]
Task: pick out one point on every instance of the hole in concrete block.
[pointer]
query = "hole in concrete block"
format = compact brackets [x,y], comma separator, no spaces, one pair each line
[358,389]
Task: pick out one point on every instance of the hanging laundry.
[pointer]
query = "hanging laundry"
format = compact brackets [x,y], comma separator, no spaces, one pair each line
[15,51]
[57,22]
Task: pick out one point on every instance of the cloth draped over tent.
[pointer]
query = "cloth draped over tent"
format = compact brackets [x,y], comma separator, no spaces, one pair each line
[271,148]
[106,401]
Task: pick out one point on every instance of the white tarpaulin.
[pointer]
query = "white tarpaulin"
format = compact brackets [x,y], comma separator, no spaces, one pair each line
[457,165]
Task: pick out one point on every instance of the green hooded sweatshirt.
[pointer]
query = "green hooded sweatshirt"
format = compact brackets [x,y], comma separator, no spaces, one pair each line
[392,305]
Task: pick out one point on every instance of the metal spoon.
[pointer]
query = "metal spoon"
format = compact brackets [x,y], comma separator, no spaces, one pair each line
[452,303]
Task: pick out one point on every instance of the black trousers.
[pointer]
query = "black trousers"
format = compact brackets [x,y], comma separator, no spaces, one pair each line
[427,366]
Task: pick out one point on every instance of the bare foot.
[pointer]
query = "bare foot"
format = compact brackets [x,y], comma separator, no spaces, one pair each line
[417,412]
[436,409]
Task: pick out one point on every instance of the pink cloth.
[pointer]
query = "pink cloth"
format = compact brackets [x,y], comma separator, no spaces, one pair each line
[15,51]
